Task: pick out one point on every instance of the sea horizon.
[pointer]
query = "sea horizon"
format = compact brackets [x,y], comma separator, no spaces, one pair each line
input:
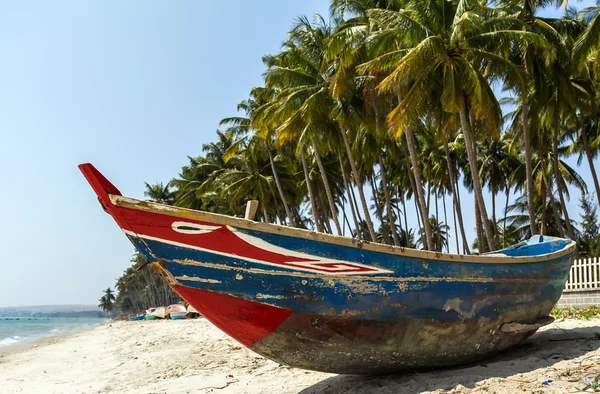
[20,325]
[21,330]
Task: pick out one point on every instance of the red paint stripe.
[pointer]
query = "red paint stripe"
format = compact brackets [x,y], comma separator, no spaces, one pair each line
[221,240]
[245,321]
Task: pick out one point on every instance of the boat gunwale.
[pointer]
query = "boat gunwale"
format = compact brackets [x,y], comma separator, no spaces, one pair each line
[277,229]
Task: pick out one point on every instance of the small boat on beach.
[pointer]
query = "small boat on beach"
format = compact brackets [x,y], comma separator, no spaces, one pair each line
[150,314]
[336,304]
[139,317]
[160,312]
[191,313]
[176,311]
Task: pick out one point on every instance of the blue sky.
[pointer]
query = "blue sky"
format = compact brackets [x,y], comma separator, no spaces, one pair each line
[133,87]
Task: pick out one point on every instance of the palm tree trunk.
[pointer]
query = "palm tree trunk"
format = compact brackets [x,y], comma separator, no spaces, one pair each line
[493,190]
[543,224]
[528,166]
[386,236]
[446,223]
[557,177]
[412,150]
[345,222]
[348,191]
[388,202]
[360,219]
[361,192]
[456,198]
[311,195]
[590,157]
[472,156]
[405,215]
[466,248]
[480,236]
[330,199]
[322,208]
[414,190]
[551,195]
[288,213]
[505,214]
[438,236]
[455,226]
[375,192]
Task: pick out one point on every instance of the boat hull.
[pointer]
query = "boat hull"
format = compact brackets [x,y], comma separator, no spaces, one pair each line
[352,346]
[337,305]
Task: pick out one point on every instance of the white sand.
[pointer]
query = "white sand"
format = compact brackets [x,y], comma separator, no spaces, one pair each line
[192,356]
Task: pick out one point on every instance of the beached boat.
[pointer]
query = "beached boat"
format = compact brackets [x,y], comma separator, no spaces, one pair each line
[176,311]
[336,304]
[160,312]
[139,317]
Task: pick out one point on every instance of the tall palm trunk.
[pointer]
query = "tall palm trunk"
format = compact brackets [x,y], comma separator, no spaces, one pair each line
[355,204]
[375,193]
[493,190]
[590,157]
[288,213]
[477,190]
[330,199]
[388,202]
[414,190]
[456,197]
[544,217]
[402,199]
[505,213]
[311,194]
[550,194]
[358,181]
[557,177]
[479,230]
[347,185]
[412,152]
[446,222]
[438,236]
[528,166]
[455,226]
[386,236]
[460,217]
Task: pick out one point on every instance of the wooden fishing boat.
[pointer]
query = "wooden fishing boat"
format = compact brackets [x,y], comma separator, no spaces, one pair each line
[335,304]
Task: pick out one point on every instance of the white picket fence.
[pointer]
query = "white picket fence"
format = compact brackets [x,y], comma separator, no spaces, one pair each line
[584,275]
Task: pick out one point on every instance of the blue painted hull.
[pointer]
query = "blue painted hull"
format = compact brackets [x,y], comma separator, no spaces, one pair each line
[337,305]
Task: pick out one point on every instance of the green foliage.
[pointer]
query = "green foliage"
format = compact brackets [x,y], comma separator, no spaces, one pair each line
[588,244]
[140,289]
[587,313]
[339,95]
[107,301]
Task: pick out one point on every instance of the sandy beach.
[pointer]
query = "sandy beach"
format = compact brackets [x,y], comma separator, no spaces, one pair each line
[193,356]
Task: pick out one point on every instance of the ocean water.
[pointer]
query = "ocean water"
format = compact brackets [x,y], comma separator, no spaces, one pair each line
[17,331]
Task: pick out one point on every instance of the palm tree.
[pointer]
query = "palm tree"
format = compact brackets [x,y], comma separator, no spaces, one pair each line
[441,59]
[159,193]
[107,301]
[439,233]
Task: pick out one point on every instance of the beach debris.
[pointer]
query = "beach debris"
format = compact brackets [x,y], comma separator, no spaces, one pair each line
[577,361]
[547,382]
[591,382]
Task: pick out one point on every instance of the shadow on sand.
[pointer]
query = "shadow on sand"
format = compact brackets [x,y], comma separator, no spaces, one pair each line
[542,350]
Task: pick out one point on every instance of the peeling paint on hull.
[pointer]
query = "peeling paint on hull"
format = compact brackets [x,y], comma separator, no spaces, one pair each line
[345,345]
[332,304]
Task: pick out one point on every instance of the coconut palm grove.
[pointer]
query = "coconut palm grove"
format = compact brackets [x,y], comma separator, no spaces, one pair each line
[388,106]
[386,109]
